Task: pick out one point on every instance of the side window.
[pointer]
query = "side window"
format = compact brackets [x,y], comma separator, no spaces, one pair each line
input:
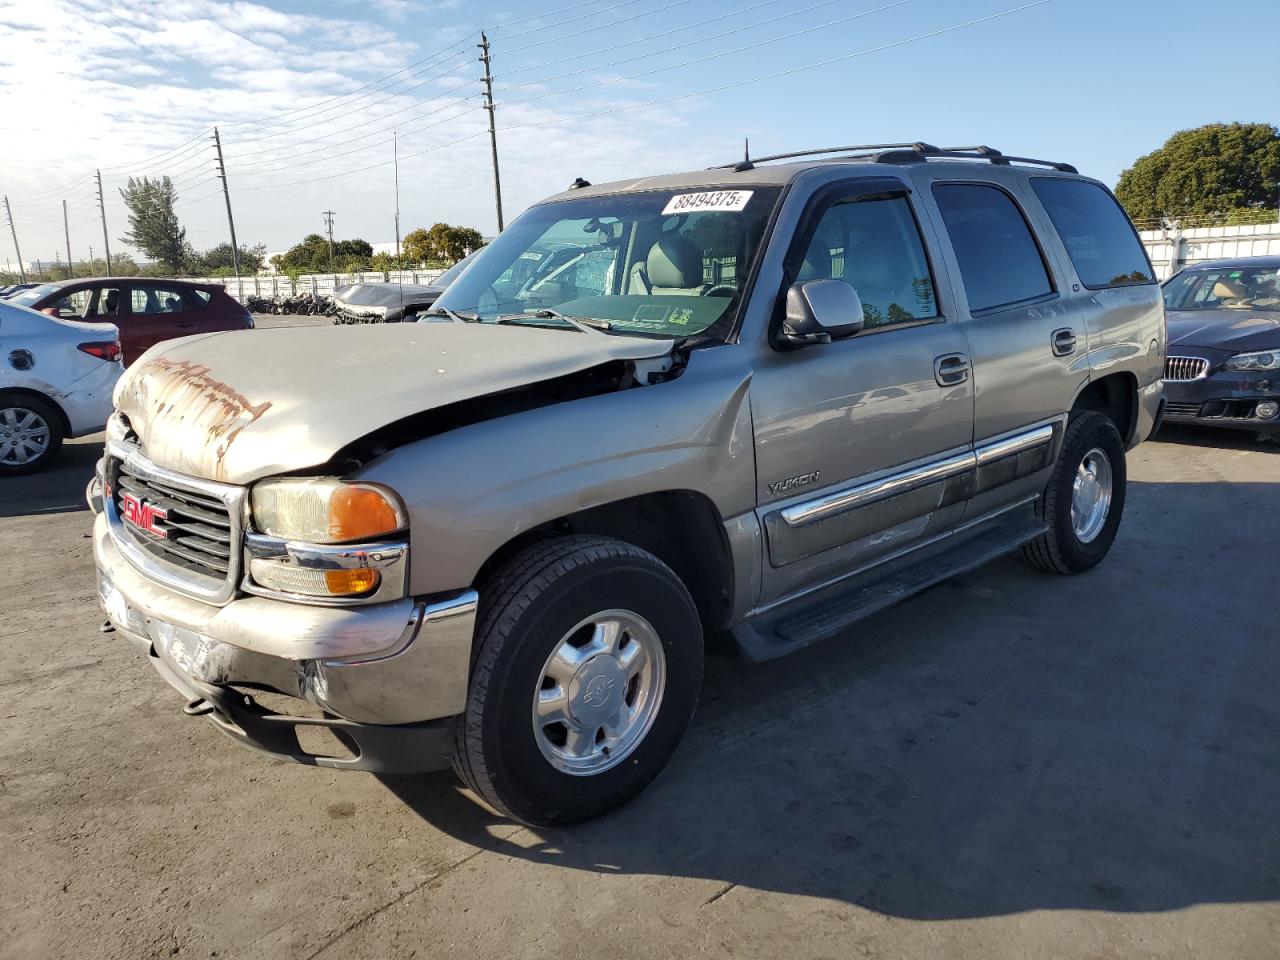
[1000,263]
[72,306]
[202,298]
[1098,236]
[874,245]
[107,303]
[157,300]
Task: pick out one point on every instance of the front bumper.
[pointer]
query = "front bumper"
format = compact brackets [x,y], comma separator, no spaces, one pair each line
[1223,399]
[387,677]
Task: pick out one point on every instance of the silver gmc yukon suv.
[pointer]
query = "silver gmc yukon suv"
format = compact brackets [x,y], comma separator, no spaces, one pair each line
[760,402]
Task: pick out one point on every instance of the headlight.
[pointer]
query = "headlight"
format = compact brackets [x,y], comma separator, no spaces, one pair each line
[1262,360]
[325,510]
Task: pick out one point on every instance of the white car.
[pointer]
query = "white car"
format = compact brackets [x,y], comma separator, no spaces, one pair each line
[56,379]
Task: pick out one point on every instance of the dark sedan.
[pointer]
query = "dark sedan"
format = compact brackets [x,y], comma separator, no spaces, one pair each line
[145,310]
[1223,366]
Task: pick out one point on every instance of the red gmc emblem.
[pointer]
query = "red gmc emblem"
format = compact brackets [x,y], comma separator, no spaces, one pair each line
[143,515]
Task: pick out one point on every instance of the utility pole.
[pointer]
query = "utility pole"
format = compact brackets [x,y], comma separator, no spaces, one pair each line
[328,222]
[91,260]
[395,146]
[66,231]
[22,267]
[102,206]
[226,195]
[493,133]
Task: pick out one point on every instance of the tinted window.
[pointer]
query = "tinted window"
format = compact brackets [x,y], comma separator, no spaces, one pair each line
[875,246]
[158,300]
[999,260]
[1095,231]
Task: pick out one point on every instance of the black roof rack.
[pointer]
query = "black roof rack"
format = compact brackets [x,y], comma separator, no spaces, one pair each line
[902,153]
[991,154]
[747,162]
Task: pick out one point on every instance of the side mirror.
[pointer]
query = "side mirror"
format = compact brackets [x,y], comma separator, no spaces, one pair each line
[819,311]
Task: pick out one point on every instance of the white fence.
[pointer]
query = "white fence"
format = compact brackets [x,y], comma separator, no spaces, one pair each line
[1171,249]
[319,284]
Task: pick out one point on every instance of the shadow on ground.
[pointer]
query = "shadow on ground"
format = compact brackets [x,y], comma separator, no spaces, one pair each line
[1010,741]
[57,489]
[1225,439]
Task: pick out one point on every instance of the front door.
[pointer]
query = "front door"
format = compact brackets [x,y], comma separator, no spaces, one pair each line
[864,444]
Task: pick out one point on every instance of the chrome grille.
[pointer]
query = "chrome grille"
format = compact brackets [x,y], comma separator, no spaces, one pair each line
[1185,368]
[194,545]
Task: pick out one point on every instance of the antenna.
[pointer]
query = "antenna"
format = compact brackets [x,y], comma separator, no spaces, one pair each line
[746,163]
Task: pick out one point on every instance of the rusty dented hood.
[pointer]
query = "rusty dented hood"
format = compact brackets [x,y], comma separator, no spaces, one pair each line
[240,406]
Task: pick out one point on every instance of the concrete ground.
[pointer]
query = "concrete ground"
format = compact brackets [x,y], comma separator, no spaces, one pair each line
[1013,765]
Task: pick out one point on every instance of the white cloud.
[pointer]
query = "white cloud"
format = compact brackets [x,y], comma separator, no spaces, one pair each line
[135,89]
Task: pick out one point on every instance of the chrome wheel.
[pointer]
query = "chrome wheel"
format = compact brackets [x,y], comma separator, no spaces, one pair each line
[24,436]
[599,692]
[1091,495]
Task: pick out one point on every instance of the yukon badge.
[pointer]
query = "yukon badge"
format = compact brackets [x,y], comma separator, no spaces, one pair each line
[782,486]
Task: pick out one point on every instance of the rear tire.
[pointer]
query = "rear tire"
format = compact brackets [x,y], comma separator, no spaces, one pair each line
[1084,500]
[30,434]
[543,646]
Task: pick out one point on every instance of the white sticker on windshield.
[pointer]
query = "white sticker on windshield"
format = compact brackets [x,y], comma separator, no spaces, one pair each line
[732,201]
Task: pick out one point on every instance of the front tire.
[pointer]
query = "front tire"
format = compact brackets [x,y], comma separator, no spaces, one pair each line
[30,434]
[1084,500]
[587,668]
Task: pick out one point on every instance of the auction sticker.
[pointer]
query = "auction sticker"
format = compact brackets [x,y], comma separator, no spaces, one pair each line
[732,201]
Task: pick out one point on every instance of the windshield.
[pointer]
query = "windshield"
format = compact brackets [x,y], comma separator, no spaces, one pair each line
[28,297]
[454,272]
[665,264]
[1225,288]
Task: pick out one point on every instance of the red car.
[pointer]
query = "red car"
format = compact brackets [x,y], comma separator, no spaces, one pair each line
[145,310]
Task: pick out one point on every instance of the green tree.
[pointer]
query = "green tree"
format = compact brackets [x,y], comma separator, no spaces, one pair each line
[312,256]
[217,261]
[153,226]
[416,246]
[1215,171]
[445,242]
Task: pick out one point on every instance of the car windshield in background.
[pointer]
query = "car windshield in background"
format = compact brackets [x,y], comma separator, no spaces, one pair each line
[1227,288]
[667,264]
[28,297]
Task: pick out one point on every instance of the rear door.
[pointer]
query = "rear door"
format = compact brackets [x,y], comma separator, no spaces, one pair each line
[156,312]
[864,444]
[1028,345]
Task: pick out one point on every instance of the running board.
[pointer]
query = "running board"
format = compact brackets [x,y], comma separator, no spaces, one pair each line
[813,618]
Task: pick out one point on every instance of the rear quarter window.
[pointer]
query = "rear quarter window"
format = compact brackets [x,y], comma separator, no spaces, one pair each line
[1098,236]
[200,298]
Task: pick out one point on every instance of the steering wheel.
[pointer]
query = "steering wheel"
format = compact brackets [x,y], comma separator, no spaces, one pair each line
[716,291]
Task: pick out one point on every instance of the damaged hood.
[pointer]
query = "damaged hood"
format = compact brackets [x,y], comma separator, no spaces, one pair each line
[240,406]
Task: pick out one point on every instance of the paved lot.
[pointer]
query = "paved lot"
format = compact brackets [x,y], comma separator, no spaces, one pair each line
[1012,766]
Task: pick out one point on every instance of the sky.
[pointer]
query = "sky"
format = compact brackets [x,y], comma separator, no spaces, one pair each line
[307,97]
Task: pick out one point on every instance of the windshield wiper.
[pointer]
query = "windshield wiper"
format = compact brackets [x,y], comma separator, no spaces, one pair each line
[585,324]
[451,314]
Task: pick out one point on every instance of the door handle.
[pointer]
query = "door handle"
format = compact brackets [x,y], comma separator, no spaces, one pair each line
[1064,342]
[951,369]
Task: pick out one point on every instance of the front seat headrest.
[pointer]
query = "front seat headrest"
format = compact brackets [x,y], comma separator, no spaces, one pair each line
[674,261]
[1229,290]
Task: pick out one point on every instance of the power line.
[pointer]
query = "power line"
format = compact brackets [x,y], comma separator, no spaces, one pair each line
[711,56]
[599,26]
[562,21]
[370,146]
[715,36]
[549,13]
[812,65]
[353,93]
[653,36]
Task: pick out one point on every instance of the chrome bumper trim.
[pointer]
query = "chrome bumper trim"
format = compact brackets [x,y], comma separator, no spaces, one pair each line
[391,560]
